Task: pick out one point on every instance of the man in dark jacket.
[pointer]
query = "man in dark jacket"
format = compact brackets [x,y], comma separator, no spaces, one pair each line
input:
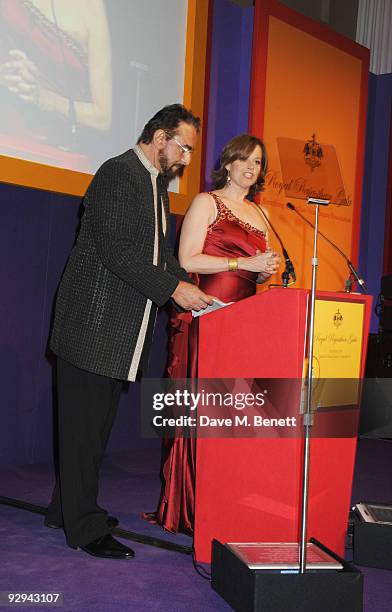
[119,272]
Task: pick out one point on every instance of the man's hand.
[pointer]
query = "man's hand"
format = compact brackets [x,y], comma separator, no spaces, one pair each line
[190,297]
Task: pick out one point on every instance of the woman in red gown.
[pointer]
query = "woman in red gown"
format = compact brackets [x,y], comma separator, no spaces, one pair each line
[224,245]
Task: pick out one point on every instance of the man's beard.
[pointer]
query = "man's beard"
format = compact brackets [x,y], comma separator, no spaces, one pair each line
[170,172]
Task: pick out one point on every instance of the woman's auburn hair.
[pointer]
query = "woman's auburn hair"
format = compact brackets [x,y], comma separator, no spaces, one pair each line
[240,147]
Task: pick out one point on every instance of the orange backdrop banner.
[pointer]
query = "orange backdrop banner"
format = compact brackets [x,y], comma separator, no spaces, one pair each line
[308,103]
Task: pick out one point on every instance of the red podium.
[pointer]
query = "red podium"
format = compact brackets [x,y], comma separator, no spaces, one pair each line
[248,489]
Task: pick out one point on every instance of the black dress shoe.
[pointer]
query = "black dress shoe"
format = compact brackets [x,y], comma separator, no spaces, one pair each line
[112,522]
[108,548]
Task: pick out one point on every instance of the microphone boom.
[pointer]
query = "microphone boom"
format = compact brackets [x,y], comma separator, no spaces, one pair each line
[353,271]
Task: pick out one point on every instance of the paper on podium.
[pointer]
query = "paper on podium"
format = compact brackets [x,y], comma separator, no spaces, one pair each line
[216,304]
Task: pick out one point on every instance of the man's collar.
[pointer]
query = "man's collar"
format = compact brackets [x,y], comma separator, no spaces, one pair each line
[145,161]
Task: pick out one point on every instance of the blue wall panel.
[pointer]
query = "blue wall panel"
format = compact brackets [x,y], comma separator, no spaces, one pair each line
[375,184]
[37,232]
[231,54]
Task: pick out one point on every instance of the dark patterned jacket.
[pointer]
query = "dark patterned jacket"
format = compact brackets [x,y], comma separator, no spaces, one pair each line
[111,283]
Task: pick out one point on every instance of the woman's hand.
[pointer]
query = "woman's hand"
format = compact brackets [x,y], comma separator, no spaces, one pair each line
[22,77]
[265,264]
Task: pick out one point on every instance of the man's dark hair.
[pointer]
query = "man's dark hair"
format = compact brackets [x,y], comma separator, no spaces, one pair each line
[168,119]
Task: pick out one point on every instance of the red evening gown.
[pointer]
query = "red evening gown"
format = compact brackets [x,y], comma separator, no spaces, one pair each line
[227,237]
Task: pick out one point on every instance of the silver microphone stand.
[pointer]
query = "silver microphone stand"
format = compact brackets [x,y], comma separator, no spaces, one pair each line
[308,413]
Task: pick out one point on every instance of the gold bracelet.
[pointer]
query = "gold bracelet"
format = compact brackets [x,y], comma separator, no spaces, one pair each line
[233,264]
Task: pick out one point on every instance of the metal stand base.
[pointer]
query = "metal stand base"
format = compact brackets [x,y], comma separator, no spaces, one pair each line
[252,590]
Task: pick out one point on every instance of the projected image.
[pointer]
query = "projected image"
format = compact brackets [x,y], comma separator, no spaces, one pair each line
[78,79]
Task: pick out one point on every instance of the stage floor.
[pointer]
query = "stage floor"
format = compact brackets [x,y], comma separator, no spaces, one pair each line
[34,558]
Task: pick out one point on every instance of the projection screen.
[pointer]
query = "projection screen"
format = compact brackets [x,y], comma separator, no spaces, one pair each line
[79,79]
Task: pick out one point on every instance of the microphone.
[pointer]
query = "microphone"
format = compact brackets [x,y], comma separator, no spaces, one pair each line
[289,267]
[360,281]
[289,271]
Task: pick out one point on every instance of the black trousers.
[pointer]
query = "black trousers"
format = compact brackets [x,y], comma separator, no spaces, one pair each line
[87,406]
